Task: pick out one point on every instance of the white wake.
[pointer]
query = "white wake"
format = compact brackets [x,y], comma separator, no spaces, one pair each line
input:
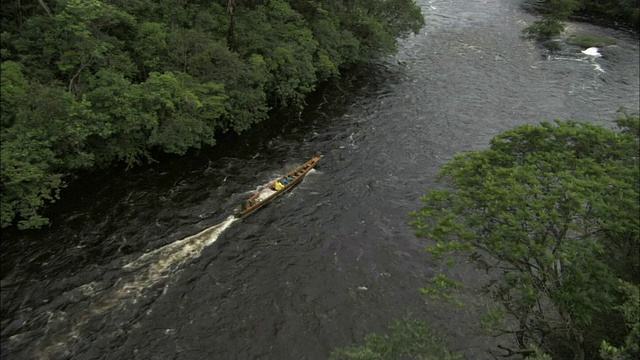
[140,275]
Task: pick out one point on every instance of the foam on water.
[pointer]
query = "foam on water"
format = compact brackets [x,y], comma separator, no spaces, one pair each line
[592,51]
[140,275]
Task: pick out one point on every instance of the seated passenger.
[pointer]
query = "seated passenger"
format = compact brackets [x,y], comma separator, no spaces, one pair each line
[279,186]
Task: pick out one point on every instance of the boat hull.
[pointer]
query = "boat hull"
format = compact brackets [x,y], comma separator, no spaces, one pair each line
[261,198]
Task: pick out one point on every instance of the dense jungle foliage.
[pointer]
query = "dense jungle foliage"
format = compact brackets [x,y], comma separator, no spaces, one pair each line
[90,83]
[551,211]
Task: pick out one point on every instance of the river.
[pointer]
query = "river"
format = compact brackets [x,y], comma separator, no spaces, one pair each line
[147,263]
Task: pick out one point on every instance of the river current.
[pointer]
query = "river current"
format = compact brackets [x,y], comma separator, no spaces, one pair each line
[148,263]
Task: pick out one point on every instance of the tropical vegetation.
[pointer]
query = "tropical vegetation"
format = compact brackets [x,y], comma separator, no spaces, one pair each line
[587,41]
[404,340]
[620,13]
[550,213]
[93,83]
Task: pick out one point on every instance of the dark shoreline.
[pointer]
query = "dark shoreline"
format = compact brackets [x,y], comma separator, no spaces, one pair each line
[539,8]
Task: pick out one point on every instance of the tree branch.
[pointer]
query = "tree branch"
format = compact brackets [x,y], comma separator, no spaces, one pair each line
[74,77]
[45,7]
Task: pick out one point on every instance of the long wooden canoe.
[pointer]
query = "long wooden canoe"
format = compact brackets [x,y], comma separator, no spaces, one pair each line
[269,193]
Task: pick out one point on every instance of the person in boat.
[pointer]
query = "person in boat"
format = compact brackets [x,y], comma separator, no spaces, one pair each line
[279,186]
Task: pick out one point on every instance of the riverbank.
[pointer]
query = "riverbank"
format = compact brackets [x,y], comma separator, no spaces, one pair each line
[614,14]
[89,84]
[287,283]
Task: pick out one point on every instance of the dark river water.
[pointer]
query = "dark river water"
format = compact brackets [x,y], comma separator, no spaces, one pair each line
[147,263]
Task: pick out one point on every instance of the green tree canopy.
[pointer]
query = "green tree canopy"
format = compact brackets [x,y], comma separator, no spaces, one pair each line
[404,340]
[555,12]
[543,210]
[90,83]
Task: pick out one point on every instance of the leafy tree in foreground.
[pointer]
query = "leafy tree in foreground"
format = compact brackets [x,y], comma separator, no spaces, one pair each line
[551,213]
[410,340]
